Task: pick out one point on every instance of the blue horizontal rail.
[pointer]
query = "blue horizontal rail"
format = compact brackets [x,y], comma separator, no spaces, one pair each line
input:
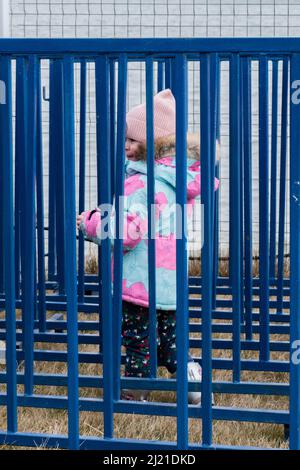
[165,46]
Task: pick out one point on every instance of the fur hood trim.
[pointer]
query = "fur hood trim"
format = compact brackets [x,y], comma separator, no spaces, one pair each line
[166,146]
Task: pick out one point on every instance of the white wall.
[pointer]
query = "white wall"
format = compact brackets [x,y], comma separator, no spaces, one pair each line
[4,18]
[158,18]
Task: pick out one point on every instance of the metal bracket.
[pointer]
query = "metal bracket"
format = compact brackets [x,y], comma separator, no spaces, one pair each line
[44,94]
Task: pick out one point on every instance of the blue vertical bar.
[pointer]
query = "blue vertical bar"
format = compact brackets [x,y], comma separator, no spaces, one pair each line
[1,234]
[182,318]
[168,73]
[216,235]
[52,176]
[21,163]
[69,213]
[173,74]
[151,216]
[264,269]
[35,286]
[100,281]
[20,145]
[235,211]
[104,191]
[56,154]
[1,243]
[40,209]
[274,139]
[118,247]
[7,222]
[282,188]
[207,187]
[247,141]
[218,85]
[160,76]
[241,189]
[217,194]
[112,136]
[82,154]
[29,225]
[295,255]
[112,104]
[214,77]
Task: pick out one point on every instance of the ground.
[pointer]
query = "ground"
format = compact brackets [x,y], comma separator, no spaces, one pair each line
[157,427]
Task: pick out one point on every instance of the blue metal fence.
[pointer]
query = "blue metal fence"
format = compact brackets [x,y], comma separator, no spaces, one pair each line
[250,311]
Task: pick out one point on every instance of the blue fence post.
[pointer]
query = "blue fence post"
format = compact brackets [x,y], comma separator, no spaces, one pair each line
[151,216]
[216,223]
[274,139]
[29,274]
[56,155]
[241,189]
[40,210]
[217,194]
[207,188]
[118,247]
[69,215]
[168,73]
[52,173]
[100,247]
[160,76]
[282,188]
[264,262]
[2,243]
[20,144]
[7,222]
[235,212]
[295,254]
[182,316]
[112,109]
[215,102]
[247,195]
[82,158]
[104,191]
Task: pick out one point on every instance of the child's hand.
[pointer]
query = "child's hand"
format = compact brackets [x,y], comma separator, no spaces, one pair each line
[79,219]
[90,220]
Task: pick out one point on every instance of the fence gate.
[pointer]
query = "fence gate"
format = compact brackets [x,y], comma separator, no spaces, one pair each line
[60,326]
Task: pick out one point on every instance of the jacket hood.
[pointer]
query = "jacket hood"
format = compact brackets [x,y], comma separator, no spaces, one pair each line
[165,166]
[166,146]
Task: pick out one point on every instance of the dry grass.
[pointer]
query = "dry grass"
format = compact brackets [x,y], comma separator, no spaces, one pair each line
[195,265]
[51,421]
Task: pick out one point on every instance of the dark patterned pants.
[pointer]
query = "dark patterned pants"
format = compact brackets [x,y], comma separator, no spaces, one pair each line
[135,332]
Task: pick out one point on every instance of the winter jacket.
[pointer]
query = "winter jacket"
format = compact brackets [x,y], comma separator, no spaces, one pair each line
[135,232]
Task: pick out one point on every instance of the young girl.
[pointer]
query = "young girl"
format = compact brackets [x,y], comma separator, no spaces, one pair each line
[135,328]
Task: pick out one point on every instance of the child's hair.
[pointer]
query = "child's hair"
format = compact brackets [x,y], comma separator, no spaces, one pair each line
[166,146]
[162,146]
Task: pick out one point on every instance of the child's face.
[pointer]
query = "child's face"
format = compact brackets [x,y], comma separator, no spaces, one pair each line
[132,149]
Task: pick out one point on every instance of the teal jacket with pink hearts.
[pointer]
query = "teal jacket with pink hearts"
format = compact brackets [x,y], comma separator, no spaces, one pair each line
[135,228]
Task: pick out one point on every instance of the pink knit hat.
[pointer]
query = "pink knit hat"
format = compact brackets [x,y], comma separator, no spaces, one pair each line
[164,118]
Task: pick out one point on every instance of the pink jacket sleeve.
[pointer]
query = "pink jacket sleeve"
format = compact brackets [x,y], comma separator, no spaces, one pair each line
[134,228]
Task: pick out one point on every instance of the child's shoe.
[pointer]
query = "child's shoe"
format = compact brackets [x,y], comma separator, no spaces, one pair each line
[194,373]
[135,395]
